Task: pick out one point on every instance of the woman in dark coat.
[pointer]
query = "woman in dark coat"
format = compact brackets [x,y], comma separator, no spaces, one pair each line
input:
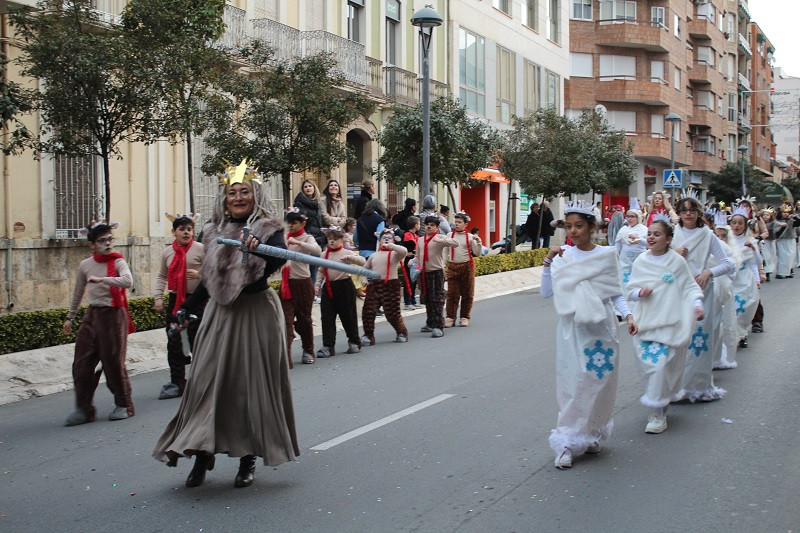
[307,201]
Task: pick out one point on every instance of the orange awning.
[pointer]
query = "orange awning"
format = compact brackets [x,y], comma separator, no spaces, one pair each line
[489,174]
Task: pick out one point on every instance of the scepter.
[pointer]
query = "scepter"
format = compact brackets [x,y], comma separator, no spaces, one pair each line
[290,255]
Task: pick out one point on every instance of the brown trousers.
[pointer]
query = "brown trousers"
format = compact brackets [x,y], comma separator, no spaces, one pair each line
[343,304]
[102,338]
[460,286]
[434,298]
[386,294]
[298,308]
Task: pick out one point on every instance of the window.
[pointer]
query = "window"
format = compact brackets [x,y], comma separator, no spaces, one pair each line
[732,107]
[580,65]
[582,9]
[471,50]
[553,7]
[78,196]
[506,85]
[730,32]
[618,10]
[552,96]
[502,5]
[705,144]
[617,67]
[705,100]
[355,20]
[676,78]
[622,120]
[676,26]
[731,148]
[657,125]
[706,11]
[658,16]
[705,54]
[533,97]
[392,32]
[720,107]
[530,14]
[657,71]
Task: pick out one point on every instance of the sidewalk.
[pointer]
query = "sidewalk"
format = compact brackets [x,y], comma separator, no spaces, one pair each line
[45,371]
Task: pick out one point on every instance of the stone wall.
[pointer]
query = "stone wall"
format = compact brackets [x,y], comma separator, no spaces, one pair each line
[43,270]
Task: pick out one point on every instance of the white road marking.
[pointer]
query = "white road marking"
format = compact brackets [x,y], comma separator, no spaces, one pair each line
[379,423]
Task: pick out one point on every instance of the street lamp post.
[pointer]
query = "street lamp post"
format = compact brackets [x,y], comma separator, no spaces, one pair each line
[743,150]
[426,19]
[673,119]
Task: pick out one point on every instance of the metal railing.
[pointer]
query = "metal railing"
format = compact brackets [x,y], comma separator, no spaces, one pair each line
[745,46]
[374,76]
[78,192]
[438,89]
[235,36]
[350,55]
[743,81]
[284,40]
[401,86]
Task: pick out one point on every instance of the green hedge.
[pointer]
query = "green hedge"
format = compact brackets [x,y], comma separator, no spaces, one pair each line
[38,329]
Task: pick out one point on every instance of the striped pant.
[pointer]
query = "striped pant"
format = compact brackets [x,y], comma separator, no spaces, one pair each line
[460,286]
[386,294]
[297,312]
[434,298]
[343,304]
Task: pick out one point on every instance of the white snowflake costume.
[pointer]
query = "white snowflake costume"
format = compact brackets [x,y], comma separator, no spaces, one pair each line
[723,296]
[631,243]
[666,321]
[698,381]
[770,253]
[784,242]
[583,284]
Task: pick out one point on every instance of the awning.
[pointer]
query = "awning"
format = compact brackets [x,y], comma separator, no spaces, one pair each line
[489,174]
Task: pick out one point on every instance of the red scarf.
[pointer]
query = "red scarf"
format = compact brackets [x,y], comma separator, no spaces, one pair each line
[286,292]
[469,250]
[118,297]
[389,269]
[325,271]
[425,260]
[176,274]
[653,213]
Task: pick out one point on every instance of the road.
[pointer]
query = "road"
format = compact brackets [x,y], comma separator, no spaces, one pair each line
[471,457]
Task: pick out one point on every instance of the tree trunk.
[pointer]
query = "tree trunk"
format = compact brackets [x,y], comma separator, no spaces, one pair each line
[189,169]
[286,181]
[452,198]
[107,181]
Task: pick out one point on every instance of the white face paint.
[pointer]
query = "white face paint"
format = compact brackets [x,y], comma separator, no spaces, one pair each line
[387,239]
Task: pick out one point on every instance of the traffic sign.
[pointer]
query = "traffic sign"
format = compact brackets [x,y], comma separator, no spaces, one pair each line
[673,178]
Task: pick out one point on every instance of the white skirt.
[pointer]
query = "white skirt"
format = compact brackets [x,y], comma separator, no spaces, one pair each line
[698,379]
[769,251]
[661,367]
[786,253]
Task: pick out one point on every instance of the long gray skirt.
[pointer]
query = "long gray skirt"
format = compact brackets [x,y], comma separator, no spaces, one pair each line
[238,398]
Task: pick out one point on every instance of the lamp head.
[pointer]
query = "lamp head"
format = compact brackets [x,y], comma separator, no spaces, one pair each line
[742,148]
[427,17]
[673,117]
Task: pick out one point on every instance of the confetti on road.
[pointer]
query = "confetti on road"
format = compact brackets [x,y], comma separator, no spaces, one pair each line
[727,421]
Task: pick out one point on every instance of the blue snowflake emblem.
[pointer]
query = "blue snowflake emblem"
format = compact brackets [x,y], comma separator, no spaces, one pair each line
[626,276]
[740,304]
[744,265]
[699,342]
[668,277]
[599,359]
[652,350]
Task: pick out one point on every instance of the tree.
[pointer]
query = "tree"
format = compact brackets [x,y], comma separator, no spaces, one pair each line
[726,186]
[285,117]
[460,145]
[607,157]
[15,101]
[90,99]
[173,44]
[793,184]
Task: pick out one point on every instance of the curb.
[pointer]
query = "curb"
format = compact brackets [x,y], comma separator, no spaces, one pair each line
[35,373]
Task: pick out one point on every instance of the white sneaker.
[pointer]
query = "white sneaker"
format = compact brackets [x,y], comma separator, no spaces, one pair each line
[317,299]
[410,307]
[449,322]
[656,424]
[563,460]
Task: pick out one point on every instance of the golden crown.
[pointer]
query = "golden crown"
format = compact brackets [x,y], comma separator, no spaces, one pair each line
[239,174]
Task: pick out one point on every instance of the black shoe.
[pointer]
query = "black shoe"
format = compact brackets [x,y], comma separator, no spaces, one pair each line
[780,277]
[743,342]
[768,274]
[758,327]
[247,467]
[203,462]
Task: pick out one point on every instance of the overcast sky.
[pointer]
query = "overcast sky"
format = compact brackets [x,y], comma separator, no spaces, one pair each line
[779,19]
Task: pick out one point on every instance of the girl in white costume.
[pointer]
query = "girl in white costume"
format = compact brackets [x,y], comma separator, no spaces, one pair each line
[748,280]
[725,350]
[631,240]
[769,250]
[669,303]
[783,227]
[696,242]
[584,280]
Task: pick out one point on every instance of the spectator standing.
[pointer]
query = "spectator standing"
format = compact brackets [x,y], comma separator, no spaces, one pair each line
[331,206]
[367,192]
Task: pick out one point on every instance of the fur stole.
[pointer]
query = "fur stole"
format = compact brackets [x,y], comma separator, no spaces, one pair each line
[698,242]
[666,316]
[626,233]
[581,286]
[223,274]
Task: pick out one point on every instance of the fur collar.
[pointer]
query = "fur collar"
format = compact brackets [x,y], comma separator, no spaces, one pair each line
[223,274]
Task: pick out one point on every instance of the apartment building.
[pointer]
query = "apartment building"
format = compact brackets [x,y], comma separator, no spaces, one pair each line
[761,79]
[786,122]
[640,61]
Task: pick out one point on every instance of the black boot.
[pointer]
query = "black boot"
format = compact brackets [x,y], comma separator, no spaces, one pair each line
[247,467]
[202,462]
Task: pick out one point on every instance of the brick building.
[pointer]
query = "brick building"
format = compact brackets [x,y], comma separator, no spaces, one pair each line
[761,79]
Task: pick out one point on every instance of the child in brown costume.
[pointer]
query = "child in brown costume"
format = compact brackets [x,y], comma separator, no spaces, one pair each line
[384,292]
[297,289]
[179,274]
[103,334]
[338,294]
[461,271]
[430,255]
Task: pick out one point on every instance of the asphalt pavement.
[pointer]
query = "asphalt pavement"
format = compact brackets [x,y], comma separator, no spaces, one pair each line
[436,435]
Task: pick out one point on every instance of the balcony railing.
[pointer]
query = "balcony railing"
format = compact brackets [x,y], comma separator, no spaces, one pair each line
[744,121]
[744,45]
[437,88]
[645,33]
[374,76]
[109,11]
[631,89]
[235,36]
[743,81]
[401,86]
[349,55]
[284,40]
